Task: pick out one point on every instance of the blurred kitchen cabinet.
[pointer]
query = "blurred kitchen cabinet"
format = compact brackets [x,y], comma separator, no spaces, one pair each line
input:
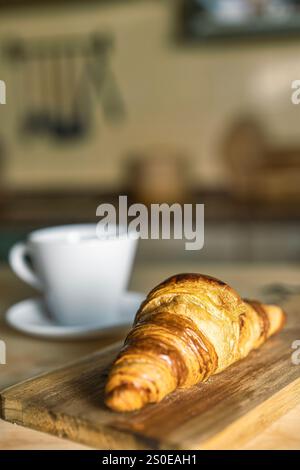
[231,242]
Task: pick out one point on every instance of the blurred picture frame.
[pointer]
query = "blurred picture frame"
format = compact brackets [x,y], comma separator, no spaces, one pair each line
[213,19]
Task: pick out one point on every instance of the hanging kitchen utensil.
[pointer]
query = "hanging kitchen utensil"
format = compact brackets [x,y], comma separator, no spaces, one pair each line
[31,119]
[37,119]
[104,80]
[81,106]
[72,115]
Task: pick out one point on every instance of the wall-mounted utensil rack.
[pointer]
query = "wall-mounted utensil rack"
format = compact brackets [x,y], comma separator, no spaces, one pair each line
[54,77]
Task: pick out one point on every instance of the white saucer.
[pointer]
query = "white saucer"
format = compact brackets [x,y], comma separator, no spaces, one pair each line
[30,316]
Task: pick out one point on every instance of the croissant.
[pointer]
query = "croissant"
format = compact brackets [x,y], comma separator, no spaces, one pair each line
[189,327]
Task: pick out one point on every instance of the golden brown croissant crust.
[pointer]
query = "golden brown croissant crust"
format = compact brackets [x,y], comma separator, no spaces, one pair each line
[189,327]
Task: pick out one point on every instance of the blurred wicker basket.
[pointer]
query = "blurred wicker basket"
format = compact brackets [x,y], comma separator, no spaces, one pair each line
[258,170]
[158,174]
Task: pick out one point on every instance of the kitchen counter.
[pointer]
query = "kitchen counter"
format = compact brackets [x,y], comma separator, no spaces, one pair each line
[28,356]
[249,231]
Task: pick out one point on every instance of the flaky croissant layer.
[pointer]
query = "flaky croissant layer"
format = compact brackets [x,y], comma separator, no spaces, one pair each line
[189,327]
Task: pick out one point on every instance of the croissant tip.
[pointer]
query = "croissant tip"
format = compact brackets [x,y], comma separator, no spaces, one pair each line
[124,399]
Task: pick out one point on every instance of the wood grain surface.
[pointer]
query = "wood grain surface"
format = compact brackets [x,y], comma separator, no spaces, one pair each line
[223,413]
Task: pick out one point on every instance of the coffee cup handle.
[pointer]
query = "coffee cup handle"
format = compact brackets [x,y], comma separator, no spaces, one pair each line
[18,263]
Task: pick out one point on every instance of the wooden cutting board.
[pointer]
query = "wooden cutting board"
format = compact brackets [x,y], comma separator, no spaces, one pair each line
[222,413]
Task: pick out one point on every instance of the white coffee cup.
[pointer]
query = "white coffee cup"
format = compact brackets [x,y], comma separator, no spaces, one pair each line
[81,273]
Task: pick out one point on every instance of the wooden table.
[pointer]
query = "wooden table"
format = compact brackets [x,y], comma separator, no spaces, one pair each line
[28,356]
